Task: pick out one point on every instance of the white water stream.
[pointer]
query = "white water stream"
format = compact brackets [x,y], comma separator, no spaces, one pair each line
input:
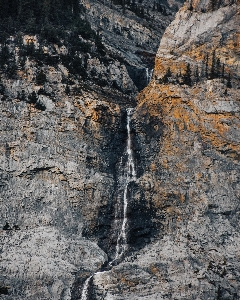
[149,75]
[129,176]
[85,289]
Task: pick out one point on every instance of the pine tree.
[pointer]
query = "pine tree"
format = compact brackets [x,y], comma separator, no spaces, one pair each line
[191,6]
[123,6]
[154,5]
[39,105]
[166,77]
[32,98]
[67,90]
[4,56]
[187,76]
[229,82]
[196,75]
[7,226]
[218,68]
[2,87]
[223,71]
[23,96]
[202,74]
[213,66]
[206,67]
[212,4]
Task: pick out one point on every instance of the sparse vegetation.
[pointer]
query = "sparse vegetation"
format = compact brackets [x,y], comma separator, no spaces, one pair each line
[209,70]
[229,82]
[41,78]
[7,226]
[31,16]
[187,77]
[167,76]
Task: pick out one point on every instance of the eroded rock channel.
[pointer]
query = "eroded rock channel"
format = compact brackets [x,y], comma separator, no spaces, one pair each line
[131,227]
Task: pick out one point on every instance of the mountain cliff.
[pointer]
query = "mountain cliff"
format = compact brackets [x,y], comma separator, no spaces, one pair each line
[66,142]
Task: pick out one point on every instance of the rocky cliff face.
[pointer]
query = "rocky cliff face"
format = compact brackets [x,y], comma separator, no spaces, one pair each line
[200,28]
[132,32]
[187,153]
[61,166]
[63,133]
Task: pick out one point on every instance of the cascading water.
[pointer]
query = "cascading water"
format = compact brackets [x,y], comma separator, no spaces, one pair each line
[149,75]
[85,288]
[128,177]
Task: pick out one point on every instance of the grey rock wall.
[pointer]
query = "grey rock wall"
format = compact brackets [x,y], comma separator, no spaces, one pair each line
[60,169]
[57,171]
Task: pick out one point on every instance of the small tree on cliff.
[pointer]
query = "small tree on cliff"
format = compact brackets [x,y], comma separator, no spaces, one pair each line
[223,72]
[196,75]
[229,81]
[187,76]
[213,67]
[166,77]
[41,78]
[206,66]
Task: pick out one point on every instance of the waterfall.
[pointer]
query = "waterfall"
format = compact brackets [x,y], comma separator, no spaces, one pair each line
[85,288]
[129,177]
[149,75]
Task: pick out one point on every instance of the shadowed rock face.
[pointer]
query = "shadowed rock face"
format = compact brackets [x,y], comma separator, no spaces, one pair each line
[131,38]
